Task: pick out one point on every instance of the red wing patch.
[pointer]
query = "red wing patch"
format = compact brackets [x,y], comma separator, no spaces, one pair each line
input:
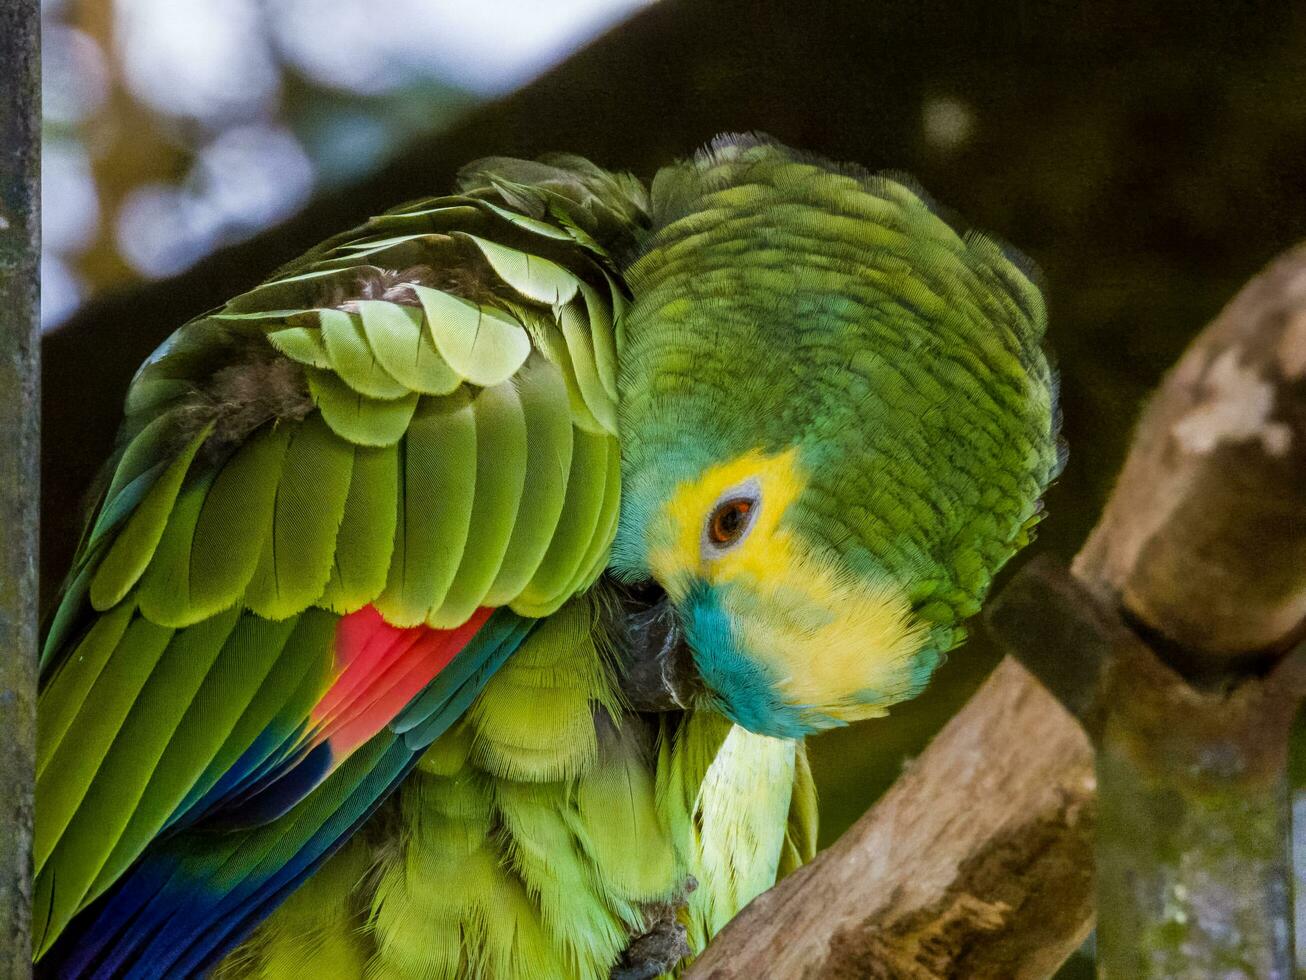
[381,668]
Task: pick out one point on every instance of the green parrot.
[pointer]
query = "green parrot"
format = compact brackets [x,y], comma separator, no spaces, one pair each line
[459,598]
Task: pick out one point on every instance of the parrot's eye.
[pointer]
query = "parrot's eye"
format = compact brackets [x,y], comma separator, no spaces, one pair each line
[729,520]
[729,523]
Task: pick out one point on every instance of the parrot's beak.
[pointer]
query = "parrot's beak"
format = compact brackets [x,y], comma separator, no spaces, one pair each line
[657,666]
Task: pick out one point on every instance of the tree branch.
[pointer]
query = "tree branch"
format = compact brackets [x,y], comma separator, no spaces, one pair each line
[978,862]
[1203,538]
[19,456]
[1203,547]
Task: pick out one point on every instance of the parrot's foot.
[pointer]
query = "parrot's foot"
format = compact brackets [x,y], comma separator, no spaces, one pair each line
[661,947]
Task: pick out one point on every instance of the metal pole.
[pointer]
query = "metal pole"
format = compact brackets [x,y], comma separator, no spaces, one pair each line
[19,466]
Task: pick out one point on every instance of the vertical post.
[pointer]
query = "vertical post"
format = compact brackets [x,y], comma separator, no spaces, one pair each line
[19,469]
[1194,875]
[1202,546]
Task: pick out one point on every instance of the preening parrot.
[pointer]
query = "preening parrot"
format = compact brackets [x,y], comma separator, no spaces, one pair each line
[458,599]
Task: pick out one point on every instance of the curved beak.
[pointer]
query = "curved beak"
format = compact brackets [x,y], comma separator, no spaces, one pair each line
[657,671]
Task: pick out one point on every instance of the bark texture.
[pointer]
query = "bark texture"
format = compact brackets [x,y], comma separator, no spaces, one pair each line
[1204,537]
[19,460]
[1203,548]
[977,863]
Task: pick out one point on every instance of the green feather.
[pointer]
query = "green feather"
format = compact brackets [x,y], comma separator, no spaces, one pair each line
[804,820]
[603,338]
[353,359]
[140,742]
[397,252]
[263,318]
[425,249]
[580,347]
[429,214]
[274,652]
[67,615]
[235,520]
[477,342]
[305,668]
[605,528]
[310,503]
[115,511]
[65,693]
[368,245]
[576,527]
[302,344]
[500,477]
[165,595]
[526,222]
[535,719]
[150,395]
[449,840]
[135,544]
[231,680]
[616,819]
[317,931]
[354,416]
[532,276]
[297,292]
[144,459]
[437,481]
[554,344]
[404,349]
[367,530]
[544,852]
[619,313]
[100,716]
[548,458]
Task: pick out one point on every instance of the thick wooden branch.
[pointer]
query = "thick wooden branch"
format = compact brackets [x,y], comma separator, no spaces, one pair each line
[19,455]
[1203,547]
[979,861]
[962,870]
[1204,537]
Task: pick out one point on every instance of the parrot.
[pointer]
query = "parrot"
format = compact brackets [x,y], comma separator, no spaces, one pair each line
[457,601]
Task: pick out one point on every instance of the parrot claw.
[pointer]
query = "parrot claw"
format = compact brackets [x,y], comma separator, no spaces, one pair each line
[662,946]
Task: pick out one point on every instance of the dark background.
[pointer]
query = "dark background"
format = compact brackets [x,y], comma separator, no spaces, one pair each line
[1149,157]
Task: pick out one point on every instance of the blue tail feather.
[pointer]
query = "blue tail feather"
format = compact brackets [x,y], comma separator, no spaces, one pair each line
[199,891]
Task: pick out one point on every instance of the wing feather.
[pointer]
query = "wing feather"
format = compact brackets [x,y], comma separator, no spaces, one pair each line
[500,476]
[309,505]
[396,336]
[438,483]
[234,521]
[408,429]
[353,359]
[367,537]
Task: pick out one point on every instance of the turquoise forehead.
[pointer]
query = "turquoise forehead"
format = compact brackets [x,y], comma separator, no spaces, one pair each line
[782,302]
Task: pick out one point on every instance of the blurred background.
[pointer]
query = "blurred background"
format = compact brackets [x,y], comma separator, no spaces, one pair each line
[1149,157]
[174,127]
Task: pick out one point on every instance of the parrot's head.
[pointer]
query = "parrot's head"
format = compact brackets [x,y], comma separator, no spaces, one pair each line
[837,420]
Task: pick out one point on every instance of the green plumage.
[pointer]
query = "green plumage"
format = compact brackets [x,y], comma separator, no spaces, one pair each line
[913,381]
[549,831]
[516,398]
[339,436]
[438,474]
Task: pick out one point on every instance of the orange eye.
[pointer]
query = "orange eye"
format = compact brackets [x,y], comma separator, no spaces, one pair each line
[729,521]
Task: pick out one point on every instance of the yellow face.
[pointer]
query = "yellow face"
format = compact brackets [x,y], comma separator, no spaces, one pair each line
[833,647]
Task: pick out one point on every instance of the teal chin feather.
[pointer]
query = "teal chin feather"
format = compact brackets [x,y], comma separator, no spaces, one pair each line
[740,687]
